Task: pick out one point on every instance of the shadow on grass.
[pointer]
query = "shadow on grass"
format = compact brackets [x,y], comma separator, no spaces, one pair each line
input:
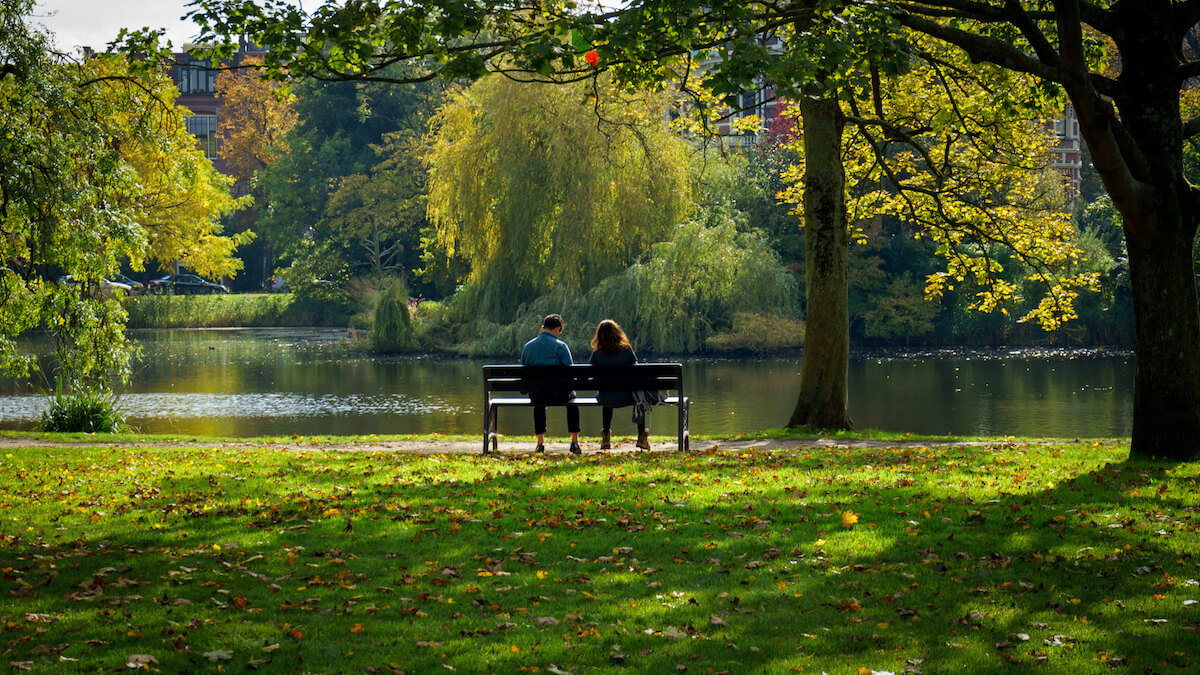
[973,558]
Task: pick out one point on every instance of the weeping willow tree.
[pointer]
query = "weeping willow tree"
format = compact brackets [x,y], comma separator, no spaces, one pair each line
[537,187]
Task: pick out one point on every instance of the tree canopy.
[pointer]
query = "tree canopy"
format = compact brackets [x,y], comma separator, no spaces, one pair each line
[98,169]
[528,182]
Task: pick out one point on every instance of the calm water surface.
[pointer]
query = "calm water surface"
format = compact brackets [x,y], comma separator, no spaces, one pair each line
[311,382]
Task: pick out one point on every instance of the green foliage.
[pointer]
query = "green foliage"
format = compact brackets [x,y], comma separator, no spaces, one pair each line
[82,410]
[391,331]
[690,288]
[686,291]
[901,312]
[97,170]
[347,196]
[758,333]
[528,183]
[209,311]
[382,211]
[960,157]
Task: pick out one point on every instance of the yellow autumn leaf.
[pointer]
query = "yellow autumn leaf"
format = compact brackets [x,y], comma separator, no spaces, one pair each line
[849,518]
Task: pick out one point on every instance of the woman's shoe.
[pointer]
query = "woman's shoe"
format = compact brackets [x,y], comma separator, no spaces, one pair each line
[643,440]
[575,449]
[605,439]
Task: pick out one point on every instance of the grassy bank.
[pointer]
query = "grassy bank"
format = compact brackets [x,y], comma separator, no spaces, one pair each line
[251,310]
[935,559]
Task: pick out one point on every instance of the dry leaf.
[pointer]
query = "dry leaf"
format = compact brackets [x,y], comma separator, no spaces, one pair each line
[141,661]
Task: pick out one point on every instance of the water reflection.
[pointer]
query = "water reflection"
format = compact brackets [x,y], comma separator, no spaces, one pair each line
[312,382]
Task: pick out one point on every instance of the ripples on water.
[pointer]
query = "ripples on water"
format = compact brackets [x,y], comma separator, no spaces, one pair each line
[187,406]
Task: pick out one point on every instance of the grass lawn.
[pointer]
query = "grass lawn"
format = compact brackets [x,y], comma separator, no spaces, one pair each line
[1007,557]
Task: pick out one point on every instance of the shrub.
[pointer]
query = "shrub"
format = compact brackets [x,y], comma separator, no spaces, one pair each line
[392,329]
[758,333]
[85,410]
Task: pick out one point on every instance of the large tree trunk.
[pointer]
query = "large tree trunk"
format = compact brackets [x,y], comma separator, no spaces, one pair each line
[1160,227]
[1139,157]
[822,400]
[1166,387]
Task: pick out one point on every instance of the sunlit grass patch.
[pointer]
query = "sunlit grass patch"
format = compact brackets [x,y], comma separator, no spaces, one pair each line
[979,558]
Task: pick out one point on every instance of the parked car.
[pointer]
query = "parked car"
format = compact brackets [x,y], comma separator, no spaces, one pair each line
[185,284]
[278,285]
[105,287]
[137,287]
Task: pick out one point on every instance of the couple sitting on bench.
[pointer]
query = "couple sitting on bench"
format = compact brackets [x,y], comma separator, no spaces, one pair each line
[610,347]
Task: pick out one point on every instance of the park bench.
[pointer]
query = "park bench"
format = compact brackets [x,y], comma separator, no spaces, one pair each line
[505,386]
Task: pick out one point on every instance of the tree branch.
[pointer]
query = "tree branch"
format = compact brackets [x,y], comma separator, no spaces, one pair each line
[983,49]
[1116,159]
[1034,35]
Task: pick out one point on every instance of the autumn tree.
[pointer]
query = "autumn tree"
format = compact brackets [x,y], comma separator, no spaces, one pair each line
[255,114]
[179,199]
[98,168]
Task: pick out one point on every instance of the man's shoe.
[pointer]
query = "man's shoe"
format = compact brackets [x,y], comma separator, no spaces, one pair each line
[540,448]
[643,440]
[575,449]
[605,439]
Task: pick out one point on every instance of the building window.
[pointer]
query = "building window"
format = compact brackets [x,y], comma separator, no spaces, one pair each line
[204,128]
[197,78]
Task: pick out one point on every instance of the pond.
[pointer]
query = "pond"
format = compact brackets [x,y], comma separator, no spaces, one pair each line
[250,382]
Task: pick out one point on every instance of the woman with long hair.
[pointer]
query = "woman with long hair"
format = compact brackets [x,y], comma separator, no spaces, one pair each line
[610,347]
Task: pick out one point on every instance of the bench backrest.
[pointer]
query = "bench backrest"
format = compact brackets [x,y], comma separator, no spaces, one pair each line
[655,376]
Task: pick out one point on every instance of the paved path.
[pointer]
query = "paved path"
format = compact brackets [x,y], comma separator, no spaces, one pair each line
[473,447]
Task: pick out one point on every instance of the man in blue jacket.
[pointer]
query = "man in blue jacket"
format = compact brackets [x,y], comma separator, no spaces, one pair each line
[547,350]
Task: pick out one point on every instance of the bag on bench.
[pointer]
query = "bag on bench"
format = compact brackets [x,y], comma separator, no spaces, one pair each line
[642,402]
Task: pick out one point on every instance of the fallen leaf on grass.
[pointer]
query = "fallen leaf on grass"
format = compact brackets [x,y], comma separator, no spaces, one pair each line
[140,661]
[849,518]
[673,633]
[218,655]
[426,643]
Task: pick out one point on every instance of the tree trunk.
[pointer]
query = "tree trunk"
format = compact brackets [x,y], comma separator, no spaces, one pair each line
[1160,228]
[822,400]
[1166,376]
[1140,160]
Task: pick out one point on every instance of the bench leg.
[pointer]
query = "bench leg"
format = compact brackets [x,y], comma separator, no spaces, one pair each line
[492,431]
[684,434]
[487,425]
